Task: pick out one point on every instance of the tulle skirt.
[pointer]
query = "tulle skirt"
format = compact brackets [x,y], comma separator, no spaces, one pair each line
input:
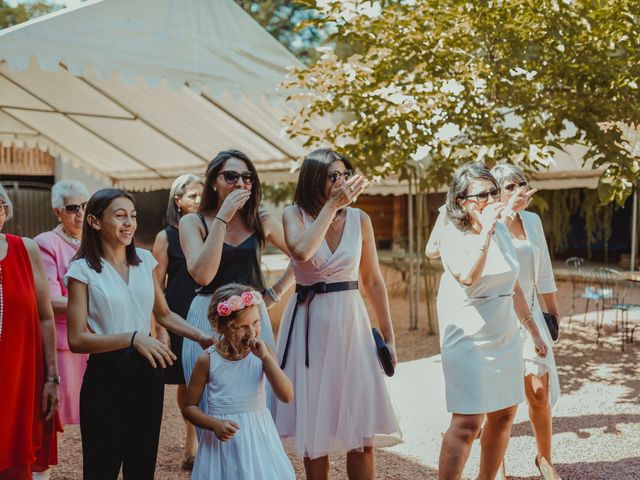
[341,402]
[254,453]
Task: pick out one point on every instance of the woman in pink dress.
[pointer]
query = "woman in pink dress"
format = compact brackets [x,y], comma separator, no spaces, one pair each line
[58,246]
[325,345]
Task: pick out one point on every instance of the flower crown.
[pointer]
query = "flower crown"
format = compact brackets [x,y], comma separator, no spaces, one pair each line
[238,302]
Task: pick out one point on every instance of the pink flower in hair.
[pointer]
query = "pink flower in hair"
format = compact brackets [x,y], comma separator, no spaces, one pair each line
[223,310]
[257,298]
[247,298]
[235,303]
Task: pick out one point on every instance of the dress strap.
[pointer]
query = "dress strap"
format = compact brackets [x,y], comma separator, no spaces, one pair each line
[204,223]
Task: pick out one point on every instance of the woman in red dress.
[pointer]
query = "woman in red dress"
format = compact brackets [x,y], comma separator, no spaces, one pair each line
[28,375]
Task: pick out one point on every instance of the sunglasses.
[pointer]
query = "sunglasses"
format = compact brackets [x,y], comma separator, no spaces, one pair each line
[483,197]
[335,175]
[72,208]
[511,187]
[232,177]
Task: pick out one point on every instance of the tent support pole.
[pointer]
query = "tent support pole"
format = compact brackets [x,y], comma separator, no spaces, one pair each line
[412,306]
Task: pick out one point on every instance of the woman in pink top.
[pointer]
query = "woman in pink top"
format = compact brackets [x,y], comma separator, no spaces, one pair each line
[58,246]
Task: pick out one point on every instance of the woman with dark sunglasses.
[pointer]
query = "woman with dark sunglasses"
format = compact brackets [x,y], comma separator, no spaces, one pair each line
[325,345]
[223,243]
[479,305]
[58,247]
[542,387]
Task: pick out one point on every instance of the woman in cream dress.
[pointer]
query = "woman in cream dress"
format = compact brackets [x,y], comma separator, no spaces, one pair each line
[542,387]
[479,305]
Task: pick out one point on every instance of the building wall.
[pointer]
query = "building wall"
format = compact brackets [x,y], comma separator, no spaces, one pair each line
[66,171]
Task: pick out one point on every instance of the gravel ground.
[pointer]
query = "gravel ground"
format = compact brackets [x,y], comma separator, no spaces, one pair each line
[596,424]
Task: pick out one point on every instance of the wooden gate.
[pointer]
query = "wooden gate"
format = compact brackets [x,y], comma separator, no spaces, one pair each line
[31,208]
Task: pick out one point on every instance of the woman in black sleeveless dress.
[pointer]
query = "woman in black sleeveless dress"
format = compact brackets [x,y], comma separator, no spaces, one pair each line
[180,288]
[223,243]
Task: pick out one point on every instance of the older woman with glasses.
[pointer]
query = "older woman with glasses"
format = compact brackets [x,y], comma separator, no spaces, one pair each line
[58,247]
[29,397]
[542,387]
[479,305]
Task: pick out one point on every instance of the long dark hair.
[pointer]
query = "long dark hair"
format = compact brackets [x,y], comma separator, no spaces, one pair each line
[210,198]
[312,178]
[91,243]
[459,187]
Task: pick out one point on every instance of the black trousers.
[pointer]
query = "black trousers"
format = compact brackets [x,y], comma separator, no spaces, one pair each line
[120,414]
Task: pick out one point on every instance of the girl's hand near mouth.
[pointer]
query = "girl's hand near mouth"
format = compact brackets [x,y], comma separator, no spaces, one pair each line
[258,348]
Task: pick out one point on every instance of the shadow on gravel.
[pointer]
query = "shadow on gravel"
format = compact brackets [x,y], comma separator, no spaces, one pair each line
[580,361]
[625,469]
[579,425]
[389,466]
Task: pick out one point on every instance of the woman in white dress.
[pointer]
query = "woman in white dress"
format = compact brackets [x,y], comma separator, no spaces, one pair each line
[542,387]
[479,304]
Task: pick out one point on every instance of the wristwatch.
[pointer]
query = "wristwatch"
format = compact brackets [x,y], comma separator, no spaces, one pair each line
[52,379]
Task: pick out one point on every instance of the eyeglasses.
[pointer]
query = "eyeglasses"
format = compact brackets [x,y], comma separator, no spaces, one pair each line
[73,208]
[232,177]
[4,208]
[511,187]
[483,197]
[336,174]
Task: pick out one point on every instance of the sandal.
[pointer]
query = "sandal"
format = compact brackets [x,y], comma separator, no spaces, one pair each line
[546,470]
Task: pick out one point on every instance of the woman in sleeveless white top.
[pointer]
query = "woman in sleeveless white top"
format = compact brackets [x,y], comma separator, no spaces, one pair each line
[479,304]
[325,345]
[536,277]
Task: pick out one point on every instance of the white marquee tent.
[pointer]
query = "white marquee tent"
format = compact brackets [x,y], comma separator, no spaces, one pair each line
[138,92]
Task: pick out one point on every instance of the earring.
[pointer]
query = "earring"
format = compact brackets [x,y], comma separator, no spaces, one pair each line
[214,188]
[179,210]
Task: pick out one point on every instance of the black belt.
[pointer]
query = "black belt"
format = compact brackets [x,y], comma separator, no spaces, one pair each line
[305,294]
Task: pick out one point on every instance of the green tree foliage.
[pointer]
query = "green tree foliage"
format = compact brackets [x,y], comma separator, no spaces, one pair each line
[431,84]
[281,18]
[22,12]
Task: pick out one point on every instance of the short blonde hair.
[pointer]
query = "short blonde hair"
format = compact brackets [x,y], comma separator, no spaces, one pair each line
[4,197]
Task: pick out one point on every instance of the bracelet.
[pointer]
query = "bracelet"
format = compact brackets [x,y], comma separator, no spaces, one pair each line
[526,319]
[509,215]
[132,337]
[274,296]
[218,218]
[55,380]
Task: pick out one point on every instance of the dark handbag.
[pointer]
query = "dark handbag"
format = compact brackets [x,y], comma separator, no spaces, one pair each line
[384,354]
[552,325]
[549,319]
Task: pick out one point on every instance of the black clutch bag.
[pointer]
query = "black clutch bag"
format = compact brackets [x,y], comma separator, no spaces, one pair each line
[384,354]
[552,325]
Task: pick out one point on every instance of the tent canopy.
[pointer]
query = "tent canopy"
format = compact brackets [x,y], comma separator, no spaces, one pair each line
[139,92]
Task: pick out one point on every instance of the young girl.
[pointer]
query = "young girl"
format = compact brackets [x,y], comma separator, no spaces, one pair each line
[112,293]
[240,439]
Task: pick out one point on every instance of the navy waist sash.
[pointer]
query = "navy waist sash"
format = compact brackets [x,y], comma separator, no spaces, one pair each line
[305,294]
